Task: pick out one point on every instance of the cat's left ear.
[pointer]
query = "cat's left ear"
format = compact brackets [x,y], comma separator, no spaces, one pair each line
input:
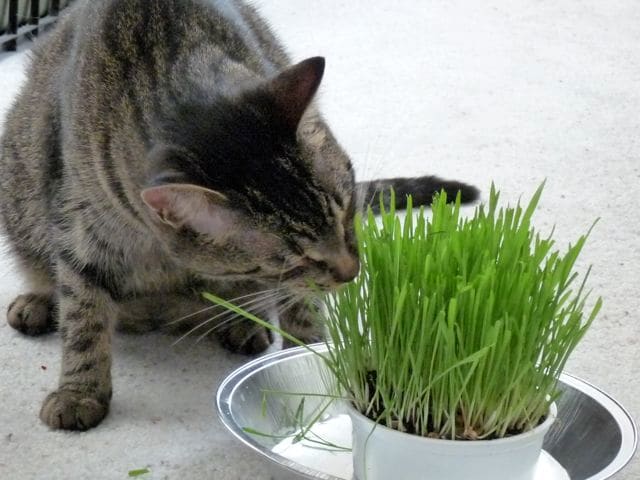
[294,88]
[183,205]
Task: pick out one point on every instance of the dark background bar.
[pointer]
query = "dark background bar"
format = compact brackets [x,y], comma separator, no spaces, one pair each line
[26,25]
[12,28]
[35,16]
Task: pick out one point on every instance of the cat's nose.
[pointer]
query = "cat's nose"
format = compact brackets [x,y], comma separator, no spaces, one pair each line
[345,268]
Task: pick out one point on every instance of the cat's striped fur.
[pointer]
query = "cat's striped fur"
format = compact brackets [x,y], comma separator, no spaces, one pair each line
[162,148]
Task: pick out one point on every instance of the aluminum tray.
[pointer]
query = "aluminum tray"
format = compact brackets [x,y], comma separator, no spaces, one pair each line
[593,438]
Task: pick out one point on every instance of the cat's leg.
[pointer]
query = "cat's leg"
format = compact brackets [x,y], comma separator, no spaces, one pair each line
[303,321]
[85,310]
[33,313]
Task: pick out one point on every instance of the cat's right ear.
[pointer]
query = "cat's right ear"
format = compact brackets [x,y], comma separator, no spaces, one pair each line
[182,205]
[294,88]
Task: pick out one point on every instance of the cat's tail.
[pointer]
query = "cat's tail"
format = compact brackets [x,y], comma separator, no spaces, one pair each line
[421,189]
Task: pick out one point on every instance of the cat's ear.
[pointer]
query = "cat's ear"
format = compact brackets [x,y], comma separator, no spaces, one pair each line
[294,88]
[183,205]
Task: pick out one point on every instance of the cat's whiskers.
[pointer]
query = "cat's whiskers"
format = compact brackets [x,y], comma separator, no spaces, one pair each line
[198,312]
[239,318]
[267,299]
[283,307]
[232,321]
[283,269]
[360,188]
[232,300]
[372,168]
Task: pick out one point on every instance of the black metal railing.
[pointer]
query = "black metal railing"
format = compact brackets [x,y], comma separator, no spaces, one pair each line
[25,18]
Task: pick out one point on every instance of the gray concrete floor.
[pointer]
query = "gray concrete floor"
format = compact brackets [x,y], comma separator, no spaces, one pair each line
[508,91]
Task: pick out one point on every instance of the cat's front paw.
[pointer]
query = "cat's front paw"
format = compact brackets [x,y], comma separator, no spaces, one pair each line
[247,341]
[31,314]
[68,410]
[309,337]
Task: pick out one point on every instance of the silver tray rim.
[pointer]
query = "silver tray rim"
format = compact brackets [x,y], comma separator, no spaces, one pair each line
[233,381]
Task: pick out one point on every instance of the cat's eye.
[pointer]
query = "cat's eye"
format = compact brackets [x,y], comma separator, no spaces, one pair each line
[321,265]
[278,259]
[295,247]
[293,273]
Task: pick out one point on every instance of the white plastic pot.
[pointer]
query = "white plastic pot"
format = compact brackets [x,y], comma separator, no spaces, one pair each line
[381,453]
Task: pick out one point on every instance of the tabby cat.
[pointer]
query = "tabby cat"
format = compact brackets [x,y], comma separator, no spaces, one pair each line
[162,148]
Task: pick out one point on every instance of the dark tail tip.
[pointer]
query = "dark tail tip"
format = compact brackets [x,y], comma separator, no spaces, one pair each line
[421,189]
[468,193]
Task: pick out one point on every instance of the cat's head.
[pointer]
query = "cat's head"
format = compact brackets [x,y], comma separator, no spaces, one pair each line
[254,185]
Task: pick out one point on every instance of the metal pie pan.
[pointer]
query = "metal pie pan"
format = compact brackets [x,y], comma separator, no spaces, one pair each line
[593,438]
